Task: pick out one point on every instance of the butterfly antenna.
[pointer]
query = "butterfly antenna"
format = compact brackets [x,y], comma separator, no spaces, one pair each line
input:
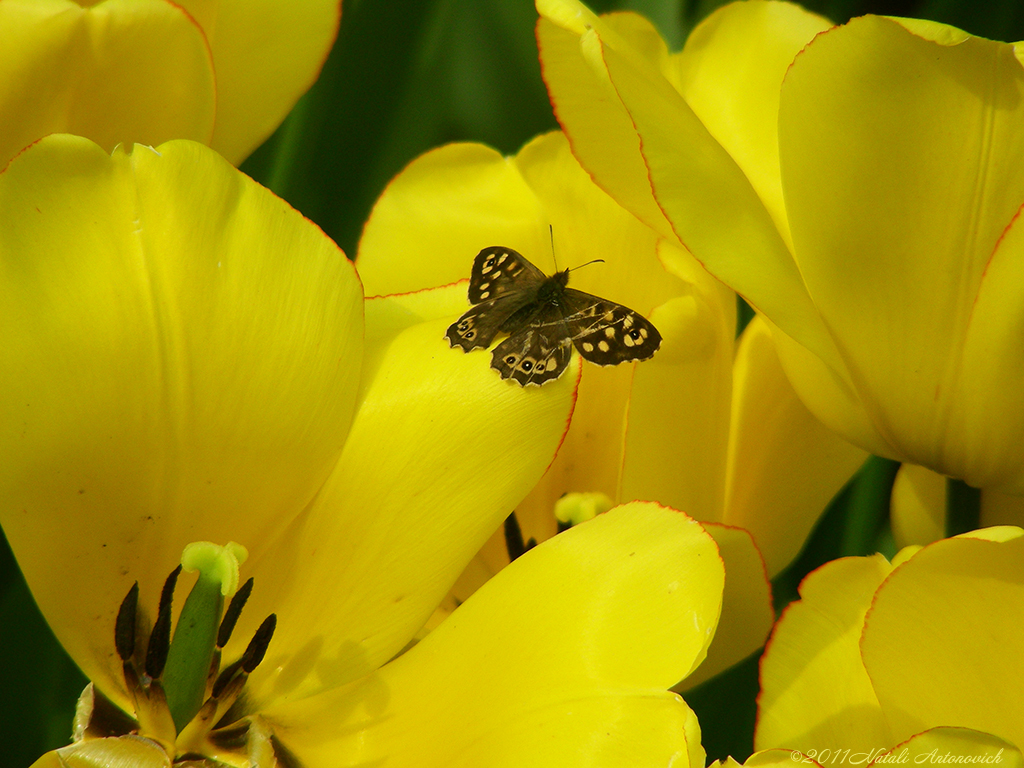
[551,235]
[581,266]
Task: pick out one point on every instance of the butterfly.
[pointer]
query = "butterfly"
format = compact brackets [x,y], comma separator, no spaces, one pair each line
[544,319]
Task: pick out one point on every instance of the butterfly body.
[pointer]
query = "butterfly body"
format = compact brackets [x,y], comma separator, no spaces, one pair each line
[544,319]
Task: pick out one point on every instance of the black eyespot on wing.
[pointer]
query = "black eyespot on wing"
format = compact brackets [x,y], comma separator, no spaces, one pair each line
[480,324]
[532,358]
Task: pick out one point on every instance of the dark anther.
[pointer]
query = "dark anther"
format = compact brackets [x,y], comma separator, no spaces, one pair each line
[227,624]
[257,647]
[124,627]
[513,537]
[226,676]
[285,757]
[564,526]
[234,736]
[160,637]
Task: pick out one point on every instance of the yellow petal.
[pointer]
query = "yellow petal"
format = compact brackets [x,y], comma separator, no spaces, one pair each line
[590,225]
[784,465]
[267,54]
[730,72]
[443,209]
[142,73]
[564,656]
[815,692]
[677,432]
[440,451]
[712,207]
[181,360]
[747,613]
[954,745]
[466,193]
[942,643]
[599,128]
[918,506]
[990,411]
[829,393]
[918,193]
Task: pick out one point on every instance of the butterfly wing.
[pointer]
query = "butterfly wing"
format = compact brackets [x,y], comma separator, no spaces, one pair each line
[606,333]
[502,283]
[536,353]
[498,271]
[480,324]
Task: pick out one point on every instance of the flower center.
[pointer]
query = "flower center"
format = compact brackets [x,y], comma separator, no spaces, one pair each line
[187,705]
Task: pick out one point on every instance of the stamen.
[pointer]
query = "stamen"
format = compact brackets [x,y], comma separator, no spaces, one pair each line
[257,647]
[124,627]
[514,544]
[227,625]
[226,675]
[160,637]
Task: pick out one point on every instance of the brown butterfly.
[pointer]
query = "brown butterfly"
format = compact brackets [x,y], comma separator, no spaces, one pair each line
[544,319]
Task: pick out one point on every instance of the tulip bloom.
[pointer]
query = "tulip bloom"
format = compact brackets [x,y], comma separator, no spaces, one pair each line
[707,426]
[860,186]
[185,359]
[147,71]
[877,652]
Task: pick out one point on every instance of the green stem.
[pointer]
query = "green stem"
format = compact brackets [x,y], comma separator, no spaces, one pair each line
[963,507]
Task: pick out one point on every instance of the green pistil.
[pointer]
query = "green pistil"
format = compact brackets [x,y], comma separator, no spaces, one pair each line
[575,508]
[188,659]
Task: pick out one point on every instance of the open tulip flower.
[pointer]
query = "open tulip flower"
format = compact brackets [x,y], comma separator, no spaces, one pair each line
[924,652]
[859,185]
[708,425]
[225,73]
[185,360]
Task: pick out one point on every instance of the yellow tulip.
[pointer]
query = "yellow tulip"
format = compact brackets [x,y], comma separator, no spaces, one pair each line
[875,652]
[185,359]
[223,72]
[859,185]
[708,425]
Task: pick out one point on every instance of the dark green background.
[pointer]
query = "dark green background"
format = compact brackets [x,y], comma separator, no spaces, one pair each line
[404,77]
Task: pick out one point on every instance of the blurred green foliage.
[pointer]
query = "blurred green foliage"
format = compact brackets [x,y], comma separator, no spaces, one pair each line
[402,78]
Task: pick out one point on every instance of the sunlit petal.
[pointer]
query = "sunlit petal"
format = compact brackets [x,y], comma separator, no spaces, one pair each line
[145,61]
[712,207]
[918,197]
[445,207]
[677,432]
[960,745]
[815,691]
[568,651]
[990,404]
[942,642]
[599,128]
[267,54]
[177,341]
[784,465]
[747,613]
[730,71]
[441,449]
